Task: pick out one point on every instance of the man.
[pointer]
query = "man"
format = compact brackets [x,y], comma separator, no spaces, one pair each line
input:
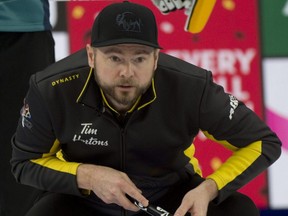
[96,136]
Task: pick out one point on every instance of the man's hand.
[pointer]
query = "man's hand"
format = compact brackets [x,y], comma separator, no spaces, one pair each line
[196,201]
[109,185]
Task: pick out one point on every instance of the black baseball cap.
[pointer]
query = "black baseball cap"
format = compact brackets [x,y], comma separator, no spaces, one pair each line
[125,22]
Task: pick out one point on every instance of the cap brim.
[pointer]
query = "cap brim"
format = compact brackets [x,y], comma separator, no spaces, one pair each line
[125,41]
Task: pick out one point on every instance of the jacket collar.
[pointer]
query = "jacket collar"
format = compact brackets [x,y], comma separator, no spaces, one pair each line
[91,96]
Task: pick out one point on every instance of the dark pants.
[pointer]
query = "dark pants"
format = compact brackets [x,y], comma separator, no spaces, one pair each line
[169,199]
[21,54]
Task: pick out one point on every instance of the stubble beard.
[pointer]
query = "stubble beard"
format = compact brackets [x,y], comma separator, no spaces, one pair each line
[122,98]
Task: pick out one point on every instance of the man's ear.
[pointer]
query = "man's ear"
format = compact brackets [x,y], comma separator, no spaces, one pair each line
[156,56]
[90,55]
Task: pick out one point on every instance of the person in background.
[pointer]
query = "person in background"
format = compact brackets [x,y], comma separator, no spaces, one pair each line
[26,46]
[110,129]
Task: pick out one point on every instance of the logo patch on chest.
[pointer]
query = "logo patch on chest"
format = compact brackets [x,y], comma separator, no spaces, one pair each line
[88,135]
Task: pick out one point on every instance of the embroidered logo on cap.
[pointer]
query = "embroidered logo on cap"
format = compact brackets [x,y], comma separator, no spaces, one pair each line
[129,22]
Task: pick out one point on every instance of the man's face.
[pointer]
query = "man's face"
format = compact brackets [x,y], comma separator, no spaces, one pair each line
[123,72]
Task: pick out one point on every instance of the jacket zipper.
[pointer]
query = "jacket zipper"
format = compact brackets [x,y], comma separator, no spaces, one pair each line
[122,146]
[123,151]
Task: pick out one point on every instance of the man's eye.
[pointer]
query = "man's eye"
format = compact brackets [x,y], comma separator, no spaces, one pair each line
[115,59]
[139,59]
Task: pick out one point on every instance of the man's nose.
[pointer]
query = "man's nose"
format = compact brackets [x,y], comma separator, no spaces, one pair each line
[127,70]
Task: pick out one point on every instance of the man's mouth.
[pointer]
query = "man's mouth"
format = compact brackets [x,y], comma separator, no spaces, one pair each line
[125,87]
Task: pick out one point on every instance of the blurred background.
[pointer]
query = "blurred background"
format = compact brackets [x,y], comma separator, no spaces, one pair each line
[244,44]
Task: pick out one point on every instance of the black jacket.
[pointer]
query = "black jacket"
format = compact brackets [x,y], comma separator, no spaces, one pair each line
[65,122]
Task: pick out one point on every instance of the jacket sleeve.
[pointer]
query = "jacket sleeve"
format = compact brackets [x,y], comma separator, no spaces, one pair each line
[229,122]
[35,160]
